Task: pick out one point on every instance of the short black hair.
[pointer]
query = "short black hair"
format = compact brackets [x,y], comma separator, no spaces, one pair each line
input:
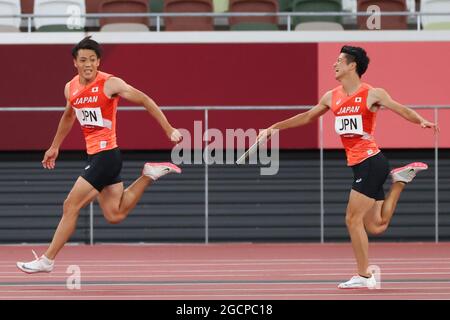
[358,55]
[87,43]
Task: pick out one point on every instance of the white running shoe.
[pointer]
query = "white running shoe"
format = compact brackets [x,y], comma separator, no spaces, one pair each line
[157,170]
[42,264]
[359,282]
[407,173]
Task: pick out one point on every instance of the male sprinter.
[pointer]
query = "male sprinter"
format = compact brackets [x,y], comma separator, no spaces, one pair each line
[92,98]
[355,105]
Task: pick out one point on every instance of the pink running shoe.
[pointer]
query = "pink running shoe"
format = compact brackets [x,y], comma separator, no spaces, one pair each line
[157,170]
[407,173]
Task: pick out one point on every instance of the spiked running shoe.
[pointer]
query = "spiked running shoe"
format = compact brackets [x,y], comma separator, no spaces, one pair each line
[357,282]
[407,173]
[157,170]
[40,264]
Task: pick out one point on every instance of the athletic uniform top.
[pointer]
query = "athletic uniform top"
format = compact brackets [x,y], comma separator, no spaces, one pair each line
[355,123]
[95,112]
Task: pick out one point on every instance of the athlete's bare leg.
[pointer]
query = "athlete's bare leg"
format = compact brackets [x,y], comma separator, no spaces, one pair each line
[379,216]
[373,221]
[357,207]
[116,203]
[81,194]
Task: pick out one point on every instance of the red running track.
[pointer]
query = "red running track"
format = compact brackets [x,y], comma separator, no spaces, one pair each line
[229,272]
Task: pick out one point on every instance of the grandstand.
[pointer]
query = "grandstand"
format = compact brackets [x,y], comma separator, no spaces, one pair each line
[216,15]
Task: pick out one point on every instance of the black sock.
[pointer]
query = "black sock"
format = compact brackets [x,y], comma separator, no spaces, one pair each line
[364,276]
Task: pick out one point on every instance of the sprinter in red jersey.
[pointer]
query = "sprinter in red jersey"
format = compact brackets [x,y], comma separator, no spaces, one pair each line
[355,105]
[92,98]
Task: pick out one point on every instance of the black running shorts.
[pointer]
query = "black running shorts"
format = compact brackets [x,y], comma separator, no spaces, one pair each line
[103,168]
[370,175]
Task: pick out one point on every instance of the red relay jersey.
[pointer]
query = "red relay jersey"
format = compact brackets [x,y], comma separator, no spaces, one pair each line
[355,123]
[95,112]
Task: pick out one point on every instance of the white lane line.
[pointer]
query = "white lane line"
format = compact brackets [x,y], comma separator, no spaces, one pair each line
[208,296]
[217,283]
[129,265]
[144,275]
[296,270]
[206,259]
[331,288]
[251,260]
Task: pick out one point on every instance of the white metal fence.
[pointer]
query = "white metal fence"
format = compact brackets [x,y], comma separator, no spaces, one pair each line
[206,110]
[285,17]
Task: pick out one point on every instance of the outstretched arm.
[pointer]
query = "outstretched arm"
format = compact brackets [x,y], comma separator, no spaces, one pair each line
[381,97]
[64,127]
[116,86]
[302,119]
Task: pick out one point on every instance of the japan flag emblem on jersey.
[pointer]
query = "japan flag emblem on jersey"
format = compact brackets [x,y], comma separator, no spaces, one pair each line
[95,89]
[358,99]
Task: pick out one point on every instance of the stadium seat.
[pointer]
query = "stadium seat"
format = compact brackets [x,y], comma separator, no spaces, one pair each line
[62,7]
[319,26]
[124,27]
[10,7]
[27,6]
[156,6]
[221,5]
[254,23]
[435,22]
[92,6]
[124,23]
[349,5]
[285,5]
[188,23]
[334,22]
[387,22]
